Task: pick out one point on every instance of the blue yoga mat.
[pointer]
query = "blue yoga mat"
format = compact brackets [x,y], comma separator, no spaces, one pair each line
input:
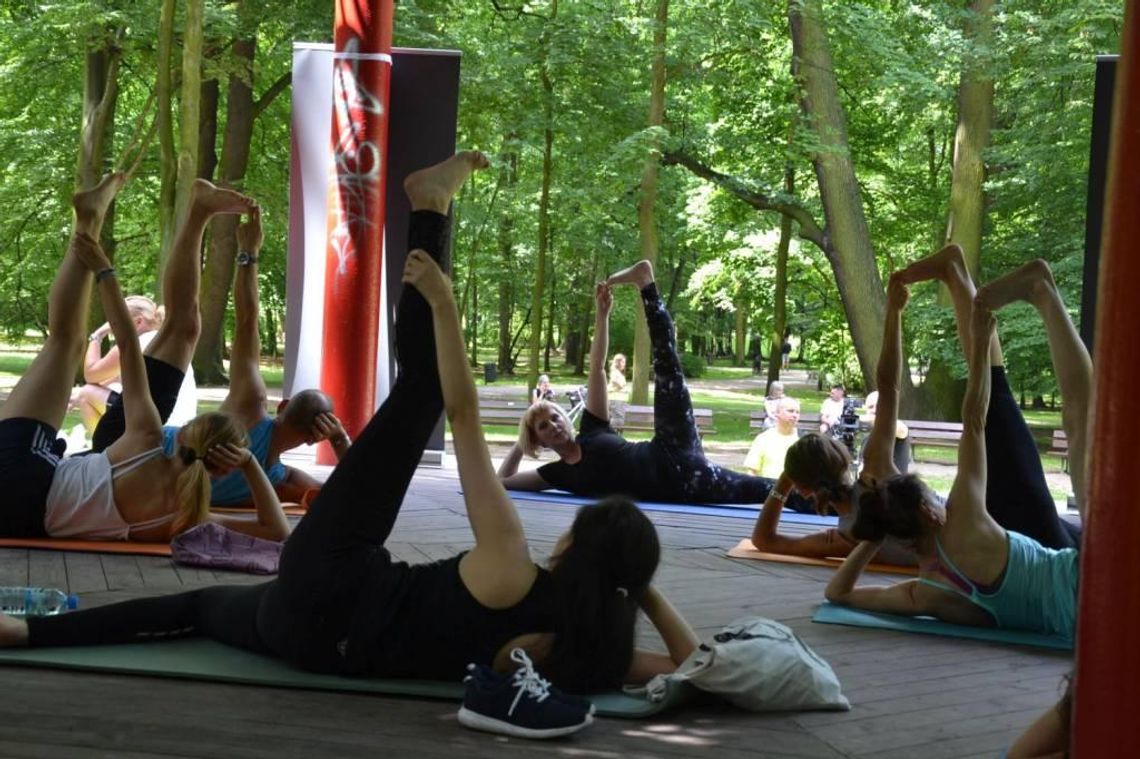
[204,659]
[834,614]
[705,509]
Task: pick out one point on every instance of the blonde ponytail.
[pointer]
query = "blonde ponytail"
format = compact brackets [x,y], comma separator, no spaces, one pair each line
[192,489]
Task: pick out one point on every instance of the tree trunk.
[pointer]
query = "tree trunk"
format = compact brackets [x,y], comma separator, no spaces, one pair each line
[780,320]
[543,209]
[646,219]
[848,247]
[100,98]
[208,130]
[218,274]
[506,257]
[167,161]
[550,318]
[740,330]
[179,167]
[943,399]
[473,322]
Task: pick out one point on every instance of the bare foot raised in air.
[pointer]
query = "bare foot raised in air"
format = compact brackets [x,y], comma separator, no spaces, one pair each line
[432,189]
[947,265]
[91,205]
[639,275]
[1032,282]
[208,199]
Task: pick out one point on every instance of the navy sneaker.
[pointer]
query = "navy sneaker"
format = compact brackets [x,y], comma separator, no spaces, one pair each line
[522,704]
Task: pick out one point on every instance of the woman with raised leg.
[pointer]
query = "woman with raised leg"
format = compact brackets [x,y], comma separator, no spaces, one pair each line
[130,491]
[1017,494]
[973,570]
[341,604]
[600,462]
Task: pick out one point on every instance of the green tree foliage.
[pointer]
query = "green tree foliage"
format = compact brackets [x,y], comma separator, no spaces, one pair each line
[730,104]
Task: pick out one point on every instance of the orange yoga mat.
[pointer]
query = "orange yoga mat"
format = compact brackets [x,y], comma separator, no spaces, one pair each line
[89,546]
[291,509]
[745,550]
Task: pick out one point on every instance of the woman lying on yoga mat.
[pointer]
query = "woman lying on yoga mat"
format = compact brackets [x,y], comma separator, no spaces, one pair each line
[340,604]
[1017,496]
[973,570]
[131,491]
[598,462]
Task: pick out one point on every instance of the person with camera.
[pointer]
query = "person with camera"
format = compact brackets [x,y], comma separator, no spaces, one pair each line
[831,412]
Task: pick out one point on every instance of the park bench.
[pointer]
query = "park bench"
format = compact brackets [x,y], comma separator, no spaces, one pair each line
[640,419]
[1059,445]
[501,411]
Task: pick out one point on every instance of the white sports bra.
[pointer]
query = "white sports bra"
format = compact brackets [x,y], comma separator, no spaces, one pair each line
[81,502]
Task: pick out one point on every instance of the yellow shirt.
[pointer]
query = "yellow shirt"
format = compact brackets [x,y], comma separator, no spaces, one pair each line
[766,456]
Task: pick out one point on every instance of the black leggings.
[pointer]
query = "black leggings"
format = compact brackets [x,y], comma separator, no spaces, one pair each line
[675,434]
[1017,495]
[336,551]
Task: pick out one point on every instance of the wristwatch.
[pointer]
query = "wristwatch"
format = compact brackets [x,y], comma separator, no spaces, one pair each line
[245,258]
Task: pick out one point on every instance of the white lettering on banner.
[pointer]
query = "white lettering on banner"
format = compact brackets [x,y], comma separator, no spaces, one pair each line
[356,160]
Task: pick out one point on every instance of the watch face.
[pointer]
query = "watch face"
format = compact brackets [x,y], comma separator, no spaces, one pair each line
[243,258]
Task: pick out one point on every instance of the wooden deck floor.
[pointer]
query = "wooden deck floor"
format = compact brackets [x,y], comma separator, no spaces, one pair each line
[912,696]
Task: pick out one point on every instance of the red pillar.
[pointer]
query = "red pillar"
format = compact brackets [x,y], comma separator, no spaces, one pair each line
[363,38]
[1108,657]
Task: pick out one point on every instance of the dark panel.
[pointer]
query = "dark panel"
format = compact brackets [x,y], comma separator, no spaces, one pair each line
[422,122]
[1098,176]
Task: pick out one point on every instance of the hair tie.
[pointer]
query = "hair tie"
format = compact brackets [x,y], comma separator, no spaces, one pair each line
[622,592]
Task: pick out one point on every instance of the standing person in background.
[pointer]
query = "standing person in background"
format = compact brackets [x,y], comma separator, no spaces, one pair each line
[772,403]
[101,371]
[902,452]
[618,395]
[832,409]
[766,456]
[786,352]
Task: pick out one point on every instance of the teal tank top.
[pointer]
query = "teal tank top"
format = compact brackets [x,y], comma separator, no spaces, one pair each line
[1037,591]
[233,488]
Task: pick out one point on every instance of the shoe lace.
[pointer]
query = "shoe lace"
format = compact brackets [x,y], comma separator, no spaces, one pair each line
[527,680]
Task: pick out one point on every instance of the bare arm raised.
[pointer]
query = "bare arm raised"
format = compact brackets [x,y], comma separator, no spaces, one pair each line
[246,399]
[597,398]
[879,455]
[139,410]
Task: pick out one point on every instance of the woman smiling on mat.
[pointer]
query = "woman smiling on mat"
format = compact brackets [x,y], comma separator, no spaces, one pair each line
[131,491]
[972,570]
[340,604]
[599,462]
[1017,495]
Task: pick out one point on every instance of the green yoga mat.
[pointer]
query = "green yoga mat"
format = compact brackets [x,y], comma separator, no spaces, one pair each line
[833,614]
[204,659]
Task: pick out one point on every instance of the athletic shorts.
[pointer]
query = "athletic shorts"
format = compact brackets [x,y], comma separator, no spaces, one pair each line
[29,454]
[164,382]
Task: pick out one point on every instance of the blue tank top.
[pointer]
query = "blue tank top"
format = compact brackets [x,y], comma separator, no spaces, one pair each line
[1037,591]
[233,488]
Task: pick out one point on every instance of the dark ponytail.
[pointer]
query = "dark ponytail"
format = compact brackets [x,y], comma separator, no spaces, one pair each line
[599,581]
[898,508]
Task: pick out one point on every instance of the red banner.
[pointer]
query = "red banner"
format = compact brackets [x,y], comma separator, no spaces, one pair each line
[354,263]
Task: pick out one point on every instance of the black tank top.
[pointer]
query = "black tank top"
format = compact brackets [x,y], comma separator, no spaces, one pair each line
[434,627]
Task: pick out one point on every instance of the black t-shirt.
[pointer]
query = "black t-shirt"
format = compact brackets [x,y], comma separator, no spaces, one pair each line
[610,465]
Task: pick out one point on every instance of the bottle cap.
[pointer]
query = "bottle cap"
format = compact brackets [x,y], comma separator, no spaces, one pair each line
[72,602]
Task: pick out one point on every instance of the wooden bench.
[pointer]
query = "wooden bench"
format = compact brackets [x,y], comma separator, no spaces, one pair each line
[934,433]
[1059,444]
[640,419]
[501,411]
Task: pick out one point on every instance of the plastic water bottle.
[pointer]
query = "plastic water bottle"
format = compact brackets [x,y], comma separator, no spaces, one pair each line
[35,602]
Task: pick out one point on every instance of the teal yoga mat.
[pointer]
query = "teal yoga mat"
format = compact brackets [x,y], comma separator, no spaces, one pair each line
[740,511]
[834,614]
[204,659]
